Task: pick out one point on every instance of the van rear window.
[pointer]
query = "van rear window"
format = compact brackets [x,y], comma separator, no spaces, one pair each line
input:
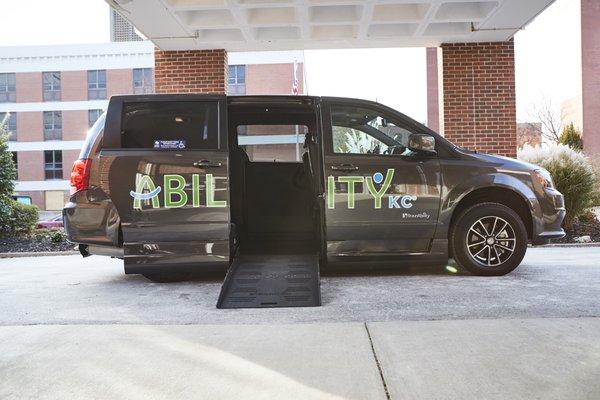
[170,125]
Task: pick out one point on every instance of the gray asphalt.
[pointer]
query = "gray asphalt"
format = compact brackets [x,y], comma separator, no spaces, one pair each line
[80,328]
[551,283]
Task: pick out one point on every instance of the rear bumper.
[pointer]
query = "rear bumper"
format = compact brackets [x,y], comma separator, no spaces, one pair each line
[91,220]
[87,250]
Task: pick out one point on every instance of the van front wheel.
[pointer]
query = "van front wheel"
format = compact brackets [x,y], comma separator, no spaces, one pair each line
[489,239]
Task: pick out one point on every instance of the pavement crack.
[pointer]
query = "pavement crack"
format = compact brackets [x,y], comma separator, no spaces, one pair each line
[385,387]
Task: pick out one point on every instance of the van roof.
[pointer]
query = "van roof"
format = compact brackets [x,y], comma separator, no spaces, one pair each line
[236,98]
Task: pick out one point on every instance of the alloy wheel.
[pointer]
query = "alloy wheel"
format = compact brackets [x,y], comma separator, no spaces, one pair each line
[491,241]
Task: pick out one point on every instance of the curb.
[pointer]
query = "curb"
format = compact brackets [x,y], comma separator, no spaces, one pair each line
[593,244]
[38,254]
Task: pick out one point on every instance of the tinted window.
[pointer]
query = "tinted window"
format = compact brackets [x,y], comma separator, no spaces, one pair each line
[8,88]
[364,131]
[97,84]
[272,142]
[236,79]
[10,124]
[52,125]
[142,81]
[51,84]
[93,116]
[53,167]
[170,125]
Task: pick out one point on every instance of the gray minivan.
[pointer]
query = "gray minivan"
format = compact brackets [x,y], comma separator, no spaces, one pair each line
[170,184]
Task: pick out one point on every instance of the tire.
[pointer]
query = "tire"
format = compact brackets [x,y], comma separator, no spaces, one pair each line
[167,277]
[483,252]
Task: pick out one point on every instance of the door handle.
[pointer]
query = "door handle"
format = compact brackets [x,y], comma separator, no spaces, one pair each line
[344,167]
[207,164]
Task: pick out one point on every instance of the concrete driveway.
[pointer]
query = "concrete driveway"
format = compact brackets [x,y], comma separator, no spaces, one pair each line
[79,328]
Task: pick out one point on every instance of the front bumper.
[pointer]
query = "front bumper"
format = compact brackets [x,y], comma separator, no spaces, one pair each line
[547,224]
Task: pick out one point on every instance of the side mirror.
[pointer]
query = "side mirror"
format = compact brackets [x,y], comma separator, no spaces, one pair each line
[421,143]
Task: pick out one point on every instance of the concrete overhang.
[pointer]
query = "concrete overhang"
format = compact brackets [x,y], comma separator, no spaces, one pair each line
[251,25]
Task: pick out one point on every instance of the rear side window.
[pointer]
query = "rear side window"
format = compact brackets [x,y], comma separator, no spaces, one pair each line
[169,125]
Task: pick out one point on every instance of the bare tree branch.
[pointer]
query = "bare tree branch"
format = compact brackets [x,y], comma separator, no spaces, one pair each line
[549,121]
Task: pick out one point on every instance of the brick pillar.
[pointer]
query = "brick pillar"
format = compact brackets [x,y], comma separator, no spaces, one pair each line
[433,96]
[190,71]
[479,110]
[590,51]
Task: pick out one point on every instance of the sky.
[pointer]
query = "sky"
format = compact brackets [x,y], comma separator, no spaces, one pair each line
[548,55]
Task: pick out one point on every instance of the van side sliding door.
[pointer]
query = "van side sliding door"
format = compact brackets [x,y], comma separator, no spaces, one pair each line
[164,164]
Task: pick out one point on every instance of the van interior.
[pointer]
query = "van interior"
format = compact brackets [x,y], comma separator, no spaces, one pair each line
[274,208]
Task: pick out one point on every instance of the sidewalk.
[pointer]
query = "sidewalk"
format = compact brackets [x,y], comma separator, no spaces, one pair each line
[474,359]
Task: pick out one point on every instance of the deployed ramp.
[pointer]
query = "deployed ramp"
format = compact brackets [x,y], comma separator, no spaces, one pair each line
[272,280]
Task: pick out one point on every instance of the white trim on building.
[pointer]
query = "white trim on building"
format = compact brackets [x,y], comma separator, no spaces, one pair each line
[34,186]
[265,57]
[77,57]
[46,145]
[113,55]
[55,106]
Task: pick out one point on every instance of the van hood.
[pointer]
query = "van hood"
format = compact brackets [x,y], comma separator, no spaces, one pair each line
[501,161]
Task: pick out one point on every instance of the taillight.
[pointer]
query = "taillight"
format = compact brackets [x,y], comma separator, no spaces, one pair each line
[80,175]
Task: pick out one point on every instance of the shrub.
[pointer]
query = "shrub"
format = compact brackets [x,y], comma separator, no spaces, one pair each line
[8,173]
[6,207]
[571,137]
[57,236]
[572,173]
[16,218]
[25,217]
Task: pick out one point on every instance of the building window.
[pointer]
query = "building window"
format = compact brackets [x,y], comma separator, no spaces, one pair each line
[97,84]
[52,125]
[15,159]
[8,88]
[93,116]
[237,80]
[53,166]
[142,81]
[51,84]
[10,124]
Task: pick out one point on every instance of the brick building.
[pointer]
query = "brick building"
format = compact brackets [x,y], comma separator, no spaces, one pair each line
[53,94]
[590,63]
[529,134]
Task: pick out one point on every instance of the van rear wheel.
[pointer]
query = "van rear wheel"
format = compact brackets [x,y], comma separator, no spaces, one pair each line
[489,239]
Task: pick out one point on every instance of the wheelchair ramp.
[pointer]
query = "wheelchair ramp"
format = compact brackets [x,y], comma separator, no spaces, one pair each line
[274,280]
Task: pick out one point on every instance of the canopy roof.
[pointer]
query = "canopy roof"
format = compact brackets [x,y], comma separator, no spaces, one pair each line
[248,25]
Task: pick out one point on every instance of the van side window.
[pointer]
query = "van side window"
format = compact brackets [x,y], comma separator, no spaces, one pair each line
[358,130]
[273,143]
[170,125]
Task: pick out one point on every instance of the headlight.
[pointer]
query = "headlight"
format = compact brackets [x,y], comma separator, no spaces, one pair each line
[543,178]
